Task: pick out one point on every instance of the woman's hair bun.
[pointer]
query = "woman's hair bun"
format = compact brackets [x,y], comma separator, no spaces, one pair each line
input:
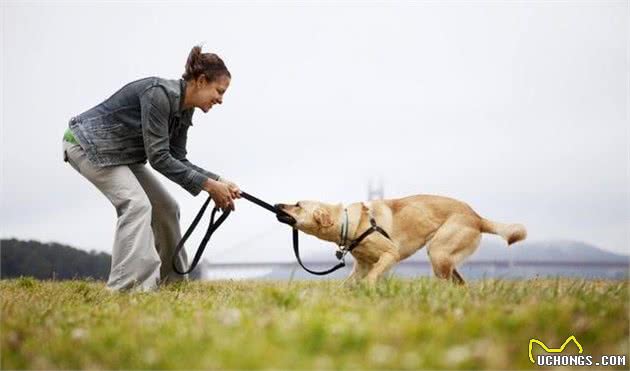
[206,64]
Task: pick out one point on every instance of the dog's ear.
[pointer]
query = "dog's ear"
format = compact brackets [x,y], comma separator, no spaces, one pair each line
[322,217]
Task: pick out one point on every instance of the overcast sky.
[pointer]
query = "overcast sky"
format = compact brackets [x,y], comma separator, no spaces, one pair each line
[519,109]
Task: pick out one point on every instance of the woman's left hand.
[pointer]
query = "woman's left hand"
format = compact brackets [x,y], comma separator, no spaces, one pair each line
[234,189]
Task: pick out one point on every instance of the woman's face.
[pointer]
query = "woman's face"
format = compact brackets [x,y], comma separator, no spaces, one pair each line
[207,94]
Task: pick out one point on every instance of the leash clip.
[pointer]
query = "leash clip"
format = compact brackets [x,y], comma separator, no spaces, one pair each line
[341,255]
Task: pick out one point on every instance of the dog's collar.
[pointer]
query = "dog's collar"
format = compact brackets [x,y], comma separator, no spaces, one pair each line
[343,234]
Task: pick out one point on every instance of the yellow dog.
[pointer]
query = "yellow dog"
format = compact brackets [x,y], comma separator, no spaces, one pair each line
[449,228]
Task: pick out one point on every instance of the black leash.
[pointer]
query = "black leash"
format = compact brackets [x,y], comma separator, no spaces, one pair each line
[213,226]
[341,264]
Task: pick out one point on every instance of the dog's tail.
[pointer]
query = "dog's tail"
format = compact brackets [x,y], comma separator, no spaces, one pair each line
[510,232]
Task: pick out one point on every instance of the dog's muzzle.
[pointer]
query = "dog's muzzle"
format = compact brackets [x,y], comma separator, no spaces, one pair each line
[283,217]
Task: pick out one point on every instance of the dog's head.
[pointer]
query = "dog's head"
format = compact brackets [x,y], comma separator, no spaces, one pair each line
[311,217]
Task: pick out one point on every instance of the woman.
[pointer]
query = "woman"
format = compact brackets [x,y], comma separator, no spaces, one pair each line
[110,144]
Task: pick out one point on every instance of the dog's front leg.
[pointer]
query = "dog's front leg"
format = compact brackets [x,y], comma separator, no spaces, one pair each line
[359,271]
[386,261]
[352,276]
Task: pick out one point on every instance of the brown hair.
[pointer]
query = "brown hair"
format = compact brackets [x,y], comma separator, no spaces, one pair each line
[206,64]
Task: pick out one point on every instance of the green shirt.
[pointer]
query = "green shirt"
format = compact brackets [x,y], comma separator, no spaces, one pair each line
[69,137]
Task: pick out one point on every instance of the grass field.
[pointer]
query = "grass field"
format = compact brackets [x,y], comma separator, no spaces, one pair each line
[401,324]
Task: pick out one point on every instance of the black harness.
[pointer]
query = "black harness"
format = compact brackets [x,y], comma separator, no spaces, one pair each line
[213,226]
[354,243]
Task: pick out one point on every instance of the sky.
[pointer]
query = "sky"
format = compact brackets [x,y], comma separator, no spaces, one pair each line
[519,109]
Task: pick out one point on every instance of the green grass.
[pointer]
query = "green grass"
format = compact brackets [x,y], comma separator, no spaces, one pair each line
[400,324]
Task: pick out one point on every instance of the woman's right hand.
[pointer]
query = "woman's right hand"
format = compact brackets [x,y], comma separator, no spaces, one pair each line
[220,193]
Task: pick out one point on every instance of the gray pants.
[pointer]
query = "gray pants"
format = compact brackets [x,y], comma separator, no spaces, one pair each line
[147,230]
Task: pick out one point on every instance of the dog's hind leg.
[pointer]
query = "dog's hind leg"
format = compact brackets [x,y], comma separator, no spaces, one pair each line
[454,241]
[442,266]
[457,278]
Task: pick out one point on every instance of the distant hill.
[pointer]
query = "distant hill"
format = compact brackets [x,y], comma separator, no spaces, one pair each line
[51,260]
[552,251]
[56,261]
[564,251]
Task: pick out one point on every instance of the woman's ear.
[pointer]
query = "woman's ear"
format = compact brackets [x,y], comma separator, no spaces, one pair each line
[201,81]
[322,217]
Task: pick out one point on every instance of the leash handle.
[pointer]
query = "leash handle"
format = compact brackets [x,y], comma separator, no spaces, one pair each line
[212,227]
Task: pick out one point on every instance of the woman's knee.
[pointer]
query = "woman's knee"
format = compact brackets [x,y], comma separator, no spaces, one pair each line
[167,208]
[138,206]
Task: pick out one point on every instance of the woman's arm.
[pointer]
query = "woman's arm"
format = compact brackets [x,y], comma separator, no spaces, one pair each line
[154,115]
[155,109]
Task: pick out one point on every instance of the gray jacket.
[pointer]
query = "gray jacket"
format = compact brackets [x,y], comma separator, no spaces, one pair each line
[143,120]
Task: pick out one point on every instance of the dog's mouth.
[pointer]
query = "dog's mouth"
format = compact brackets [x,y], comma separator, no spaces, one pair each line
[283,217]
